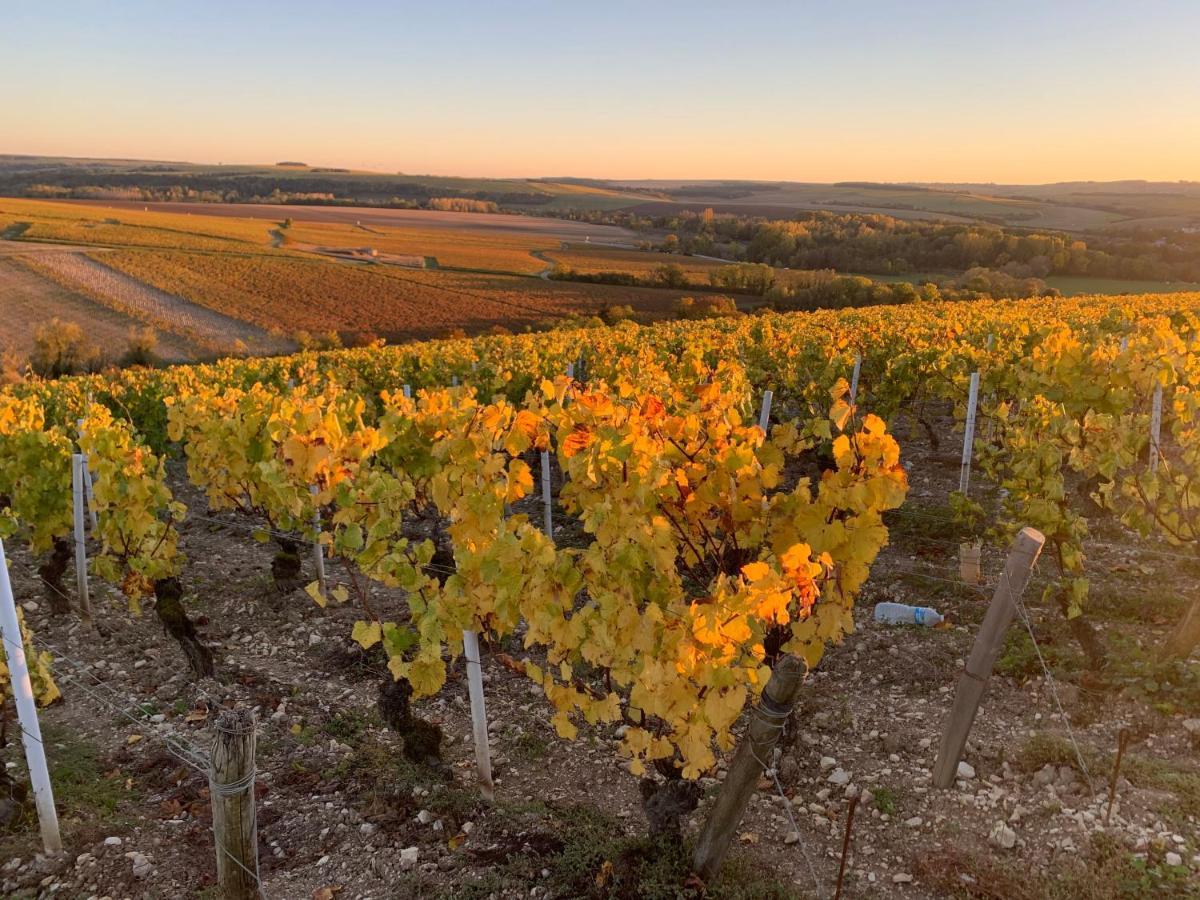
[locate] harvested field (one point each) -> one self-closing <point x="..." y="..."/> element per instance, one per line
<point x="493" y="251"/>
<point x="320" y="295"/>
<point x="95" y="225"/>
<point x="560" y="229"/>
<point x="29" y="299"/>
<point x="166" y="312"/>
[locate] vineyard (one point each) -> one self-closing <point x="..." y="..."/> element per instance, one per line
<point x="503" y="610"/>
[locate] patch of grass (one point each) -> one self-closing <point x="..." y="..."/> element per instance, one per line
<point x="530" y="746"/>
<point x="1019" y="658"/>
<point x="348" y="726"/>
<point x="389" y="770"/>
<point x="936" y="524"/>
<point x="885" y="799"/>
<point x="1167" y="685"/>
<point x="1182" y="782"/>
<point x="598" y="860"/>
<point x="81" y="786"/>
<point x="1106" y="871"/>
<point x="83" y="791"/>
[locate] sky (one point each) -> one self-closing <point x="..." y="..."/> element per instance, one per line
<point x="919" y="90"/>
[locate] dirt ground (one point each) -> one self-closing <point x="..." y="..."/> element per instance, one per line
<point x="343" y="814"/>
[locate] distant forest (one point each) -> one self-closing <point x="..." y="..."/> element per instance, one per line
<point x="311" y="187"/>
<point x="877" y="244"/>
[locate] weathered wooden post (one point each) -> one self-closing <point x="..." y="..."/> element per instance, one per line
<point x="973" y="681"/>
<point x="231" y="785"/>
<point x="757" y="746"/>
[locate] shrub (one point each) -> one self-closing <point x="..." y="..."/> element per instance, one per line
<point x="12" y="366"/>
<point x="142" y="347"/>
<point x="60" y="348"/>
<point x="613" y="314"/>
<point x="671" y="275"/>
<point x="714" y="306"/>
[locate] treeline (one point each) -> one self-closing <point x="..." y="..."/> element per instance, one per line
<point x="288" y="186"/>
<point x="463" y="204"/>
<point x="822" y="288"/>
<point x="883" y="245"/>
<point x="879" y="244"/>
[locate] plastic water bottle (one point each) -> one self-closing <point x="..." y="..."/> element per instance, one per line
<point x="901" y="614"/>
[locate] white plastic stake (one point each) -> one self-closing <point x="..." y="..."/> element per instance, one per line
<point x="1124" y="343"/>
<point x="318" y="550"/>
<point x="81" y="567"/>
<point x="31" y="732"/>
<point x="1155" y="427"/>
<point x="991" y="342"/>
<point x="408" y="391"/>
<point x="854" y="378"/>
<point x="483" y="756"/>
<point x="764" y="416"/>
<point x="547" y="501"/>
<point x="87" y="485"/>
<point x="964" y="477"/>
<point x="453" y="381"/>
<point x="571" y="371"/>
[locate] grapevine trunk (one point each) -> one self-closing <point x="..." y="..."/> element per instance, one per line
<point x="168" y="605"/>
<point x="51" y="572"/>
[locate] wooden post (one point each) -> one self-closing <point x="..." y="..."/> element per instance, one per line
<point x="231" y="785"/>
<point x="757" y="745"/>
<point x="31" y="731"/>
<point x="964" y="475"/>
<point x="854" y="376"/>
<point x="547" y="500"/>
<point x="973" y="681"/>
<point x="764" y="415"/>
<point x="1155" y="427"/>
<point x="81" y="566"/>
<point x="483" y="755"/>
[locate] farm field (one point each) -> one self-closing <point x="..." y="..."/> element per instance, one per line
<point x="900" y="201"/>
<point x="558" y="229"/>
<point x="656" y="420"/>
<point x="29" y="299"/>
<point x="220" y="279"/>
<point x="463" y="247"/>
<point x="390" y="301"/>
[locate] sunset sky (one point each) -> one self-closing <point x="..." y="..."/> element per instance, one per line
<point x="884" y="91"/>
